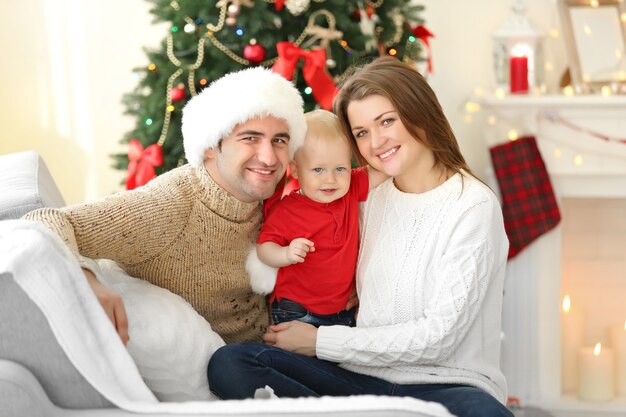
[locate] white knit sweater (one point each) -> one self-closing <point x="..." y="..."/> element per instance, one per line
<point x="429" y="277"/>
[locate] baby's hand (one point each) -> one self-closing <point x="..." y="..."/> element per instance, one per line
<point x="298" y="249"/>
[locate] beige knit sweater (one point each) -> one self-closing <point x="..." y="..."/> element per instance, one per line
<point x="181" y="232"/>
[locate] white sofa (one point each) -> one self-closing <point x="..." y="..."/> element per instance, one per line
<point x="46" y="370"/>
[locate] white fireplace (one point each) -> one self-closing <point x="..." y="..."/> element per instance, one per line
<point x="585" y="255"/>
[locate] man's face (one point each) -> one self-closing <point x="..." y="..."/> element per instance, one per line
<point x="252" y="159"/>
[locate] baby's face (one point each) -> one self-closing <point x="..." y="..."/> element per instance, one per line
<point x="323" y="170"/>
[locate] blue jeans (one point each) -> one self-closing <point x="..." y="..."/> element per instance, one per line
<point x="236" y="371"/>
<point x="287" y="310"/>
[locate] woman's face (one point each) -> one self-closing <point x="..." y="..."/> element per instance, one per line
<point x="383" y="140"/>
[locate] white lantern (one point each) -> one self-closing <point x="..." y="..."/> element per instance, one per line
<point x="517" y="38"/>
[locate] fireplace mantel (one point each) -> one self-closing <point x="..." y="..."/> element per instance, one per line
<point x="577" y="137"/>
<point x="581" y="119"/>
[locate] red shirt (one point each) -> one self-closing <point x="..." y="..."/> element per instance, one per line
<point x="324" y="281"/>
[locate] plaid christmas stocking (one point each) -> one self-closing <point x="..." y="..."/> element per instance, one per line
<point x="528" y="203"/>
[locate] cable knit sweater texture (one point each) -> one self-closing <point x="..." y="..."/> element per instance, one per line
<point x="430" y="278"/>
<point x="181" y="232"/>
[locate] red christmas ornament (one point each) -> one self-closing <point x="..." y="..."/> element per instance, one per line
<point x="255" y="53"/>
<point x="178" y="93"/>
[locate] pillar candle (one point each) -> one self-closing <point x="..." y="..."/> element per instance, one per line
<point x="571" y="341"/>
<point x="596" y="381"/>
<point x="618" y="343"/>
<point x="518" y="80"/>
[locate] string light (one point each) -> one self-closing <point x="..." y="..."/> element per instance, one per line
<point x="393" y="51"/>
<point x="558" y="153"/>
<point x="568" y="91"/>
<point x="578" y="160"/>
<point x="148" y="121"/>
<point x="170" y="108"/>
<point x="467" y="119"/>
<point x="472" y="107"/>
<point x="152" y="67"/>
<point x="174" y="29"/>
<point x="203" y="82"/>
<point x="492" y="120"/>
<point x="308" y="90"/>
<point x="239" y="31"/>
<point x="512" y="135"/>
<point x="500" y="93"/>
<point x="606" y="90"/>
<point x="411" y="38"/>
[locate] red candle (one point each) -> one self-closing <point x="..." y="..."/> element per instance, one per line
<point x="518" y="80"/>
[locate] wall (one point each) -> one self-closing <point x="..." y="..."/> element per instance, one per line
<point x="462" y="51"/>
<point x="66" y="64"/>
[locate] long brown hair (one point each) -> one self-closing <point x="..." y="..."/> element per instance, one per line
<point x="414" y="101"/>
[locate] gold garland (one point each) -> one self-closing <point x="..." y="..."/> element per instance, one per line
<point x="311" y="29"/>
<point x="223" y="5"/>
<point x="170" y="81"/>
<point x="375" y="4"/>
<point x="220" y="21"/>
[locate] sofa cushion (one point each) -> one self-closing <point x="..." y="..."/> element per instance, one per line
<point x="25" y="185"/>
<point x="26" y="338"/>
<point x="170" y="342"/>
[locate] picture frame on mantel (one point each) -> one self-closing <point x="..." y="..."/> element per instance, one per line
<point x="595" y="36"/>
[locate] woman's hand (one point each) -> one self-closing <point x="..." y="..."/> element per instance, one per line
<point x="293" y="336"/>
<point x="353" y="299"/>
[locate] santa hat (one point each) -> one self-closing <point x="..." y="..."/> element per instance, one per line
<point x="236" y="98"/>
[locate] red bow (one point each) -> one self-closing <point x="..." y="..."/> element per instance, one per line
<point x="278" y="5"/>
<point x="314" y="70"/>
<point x="421" y="33"/>
<point x="142" y="163"/>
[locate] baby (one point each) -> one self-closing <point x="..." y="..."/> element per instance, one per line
<point x="312" y="234"/>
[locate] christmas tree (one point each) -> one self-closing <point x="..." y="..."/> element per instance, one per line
<point x="312" y="42"/>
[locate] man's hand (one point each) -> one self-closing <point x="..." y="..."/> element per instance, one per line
<point x="298" y="249"/>
<point x="112" y="304"/>
<point x="293" y="336"/>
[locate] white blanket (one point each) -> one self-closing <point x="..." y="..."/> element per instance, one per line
<point x="48" y="273"/>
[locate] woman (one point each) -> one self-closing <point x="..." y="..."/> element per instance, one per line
<point x="429" y="274"/>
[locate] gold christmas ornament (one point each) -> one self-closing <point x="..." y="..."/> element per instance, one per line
<point x="319" y="34"/>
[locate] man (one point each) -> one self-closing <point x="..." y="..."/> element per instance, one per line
<point x="189" y="230"/>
